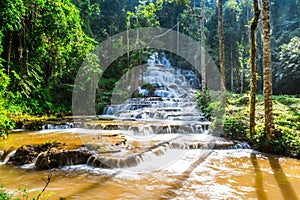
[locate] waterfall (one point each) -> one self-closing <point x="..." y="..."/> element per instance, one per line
<point x="167" y="93"/>
<point x="66" y="125"/>
<point x="165" y="107"/>
<point x="7" y="157"/>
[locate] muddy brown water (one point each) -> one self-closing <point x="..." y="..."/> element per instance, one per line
<point x="216" y="174"/>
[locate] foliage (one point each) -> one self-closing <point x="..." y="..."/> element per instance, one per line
<point x="87" y="80"/>
<point x="45" y="45"/>
<point x="286" y="118"/>
<point x="4" y="195"/>
<point x="233" y="127"/>
<point x="207" y="108"/>
<point x="6" y="123"/>
<point x="288" y="68"/>
<point x="46" y="41"/>
<point x="145" y="14"/>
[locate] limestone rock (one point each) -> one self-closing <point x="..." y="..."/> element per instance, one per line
<point x="55" y="158"/>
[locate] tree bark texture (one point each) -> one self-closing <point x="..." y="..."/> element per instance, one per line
<point x="221" y="51"/>
<point x="269" y="124"/>
<point x="253" y="84"/>
<point x="231" y="70"/>
<point x="203" y="67"/>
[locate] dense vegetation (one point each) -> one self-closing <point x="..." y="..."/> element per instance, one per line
<point x="236" y="122"/>
<point x="43" y="44"/>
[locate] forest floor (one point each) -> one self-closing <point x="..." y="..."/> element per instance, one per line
<point x="286" y="110"/>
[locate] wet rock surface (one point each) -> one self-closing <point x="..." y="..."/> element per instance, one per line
<point x="55" y="155"/>
<point x="27" y="154"/>
<point x="1" y="155"/>
<point x="55" y="158"/>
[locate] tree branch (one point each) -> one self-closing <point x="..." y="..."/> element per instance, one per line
<point x="47" y="181"/>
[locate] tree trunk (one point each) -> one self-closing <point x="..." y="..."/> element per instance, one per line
<point x="203" y="67"/>
<point x="253" y="84"/>
<point x="178" y="39"/>
<point x="231" y="69"/>
<point x="221" y="52"/>
<point x="242" y="79"/>
<point x="269" y="124"/>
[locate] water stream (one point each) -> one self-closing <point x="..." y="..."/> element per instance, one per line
<point x="157" y="146"/>
<point x="221" y="174"/>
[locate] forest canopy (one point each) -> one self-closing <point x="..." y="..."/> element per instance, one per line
<point x="43" y="43"/>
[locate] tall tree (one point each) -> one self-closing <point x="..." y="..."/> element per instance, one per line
<point x="221" y="51"/>
<point x="253" y="85"/>
<point x="203" y="67"/>
<point x="269" y="124"/>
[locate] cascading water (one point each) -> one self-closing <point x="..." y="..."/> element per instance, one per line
<point x="162" y="133"/>
<point x="166" y="107"/>
<point x="7" y="157"/>
<point x="167" y="94"/>
<point x="164" y="121"/>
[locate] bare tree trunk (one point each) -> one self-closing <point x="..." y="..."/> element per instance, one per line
<point x="269" y="124"/>
<point x="128" y="56"/>
<point x="136" y="69"/>
<point x="221" y="52"/>
<point x="231" y="69"/>
<point x="242" y="79"/>
<point x="203" y="67"/>
<point x="177" y="50"/>
<point x="253" y="84"/>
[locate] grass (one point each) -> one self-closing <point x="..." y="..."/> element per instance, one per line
<point x="286" y="112"/>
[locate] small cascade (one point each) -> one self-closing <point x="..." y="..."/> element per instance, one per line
<point x="109" y="161"/>
<point x="7" y="157"/>
<point x="50" y="126"/>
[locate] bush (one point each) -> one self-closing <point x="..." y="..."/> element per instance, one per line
<point x="286" y="142"/>
<point x="233" y="127"/>
<point x="286" y="139"/>
<point x="6" y="124"/>
<point x="4" y="195"/>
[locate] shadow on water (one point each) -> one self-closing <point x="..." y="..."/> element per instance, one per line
<point x="259" y="187"/>
<point x="171" y="193"/>
<point x="92" y="186"/>
<point x="285" y="186"/>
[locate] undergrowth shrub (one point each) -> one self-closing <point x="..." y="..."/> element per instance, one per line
<point x="233" y="127"/>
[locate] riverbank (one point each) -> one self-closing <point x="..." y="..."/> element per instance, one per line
<point x="286" y="118"/>
<point x="235" y="125"/>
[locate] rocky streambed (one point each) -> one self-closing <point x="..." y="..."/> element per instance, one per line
<point x="105" y="150"/>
